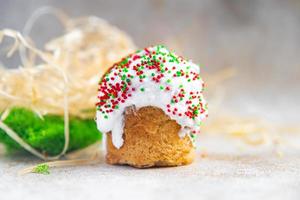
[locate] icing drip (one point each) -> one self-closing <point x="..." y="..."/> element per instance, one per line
<point x="151" y="77"/>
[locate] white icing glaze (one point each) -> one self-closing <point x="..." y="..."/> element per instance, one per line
<point x="150" y="93"/>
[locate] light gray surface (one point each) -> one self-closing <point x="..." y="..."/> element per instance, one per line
<point x="226" y="173"/>
<point x="258" y="38"/>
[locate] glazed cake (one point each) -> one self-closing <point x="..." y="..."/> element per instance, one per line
<point x="150" y="107"/>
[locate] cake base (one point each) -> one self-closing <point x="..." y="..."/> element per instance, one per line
<point x="150" y="140"/>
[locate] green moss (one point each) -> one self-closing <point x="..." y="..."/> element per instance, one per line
<point x="42" y="169"/>
<point x="47" y="135"/>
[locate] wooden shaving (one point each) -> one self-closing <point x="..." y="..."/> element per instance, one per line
<point x="252" y="131"/>
<point x="66" y="81"/>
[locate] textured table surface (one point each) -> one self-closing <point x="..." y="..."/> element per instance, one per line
<point x="260" y="39"/>
<point x="227" y="172"/>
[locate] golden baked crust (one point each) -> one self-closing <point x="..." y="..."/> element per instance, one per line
<point x="150" y="139"/>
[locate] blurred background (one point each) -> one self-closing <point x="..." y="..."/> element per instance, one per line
<point x="259" y="39"/>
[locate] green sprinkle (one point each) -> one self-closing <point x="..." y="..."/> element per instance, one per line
<point x="168" y="81"/>
<point x="124" y="62"/>
<point x="193" y="136"/>
<point x="162" y="68"/>
<point x="152" y="74"/>
<point x="174" y="58"/>
<point x="41" y="169"/>
<point x="123" y="77"/>
<point x="105" y="117"/>
<point x="180" y="86"/>
<point x="161" y="87"/>
<point x="158" y="48"/>
<point x="142" y="89"/>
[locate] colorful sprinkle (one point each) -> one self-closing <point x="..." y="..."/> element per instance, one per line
<point x="159" y="66"/>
